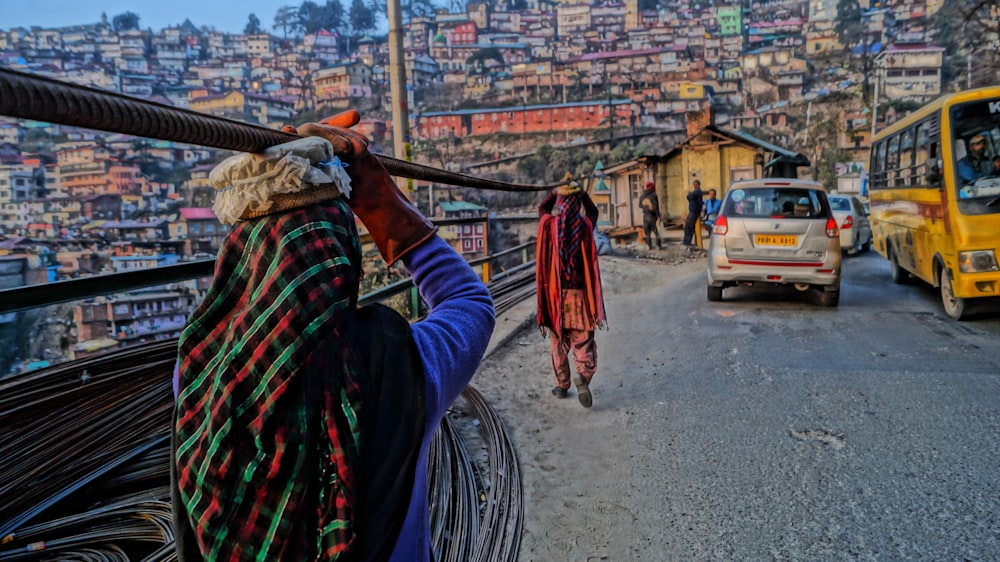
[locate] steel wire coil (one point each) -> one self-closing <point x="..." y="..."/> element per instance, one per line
<point x="84" y="463"/>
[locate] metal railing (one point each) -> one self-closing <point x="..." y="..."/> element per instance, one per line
<point x="59" y="292"/>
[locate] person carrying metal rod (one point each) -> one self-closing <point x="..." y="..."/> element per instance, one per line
<point x="570" y="302"/>
<point x="302" y="422"/>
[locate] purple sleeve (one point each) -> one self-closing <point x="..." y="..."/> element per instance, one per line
<point x="454" y="336"/>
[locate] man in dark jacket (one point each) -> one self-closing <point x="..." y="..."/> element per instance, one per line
<point x="695" y="202"/>
<point x="650" y="205"/>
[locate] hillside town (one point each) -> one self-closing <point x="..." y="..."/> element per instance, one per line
<point x="76" y="203"/>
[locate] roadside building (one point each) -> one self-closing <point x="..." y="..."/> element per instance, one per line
<point x="715" y="156"/>
<point x="467" y="239"/>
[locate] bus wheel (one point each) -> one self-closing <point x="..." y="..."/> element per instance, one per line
<point x="956" y="308"/>
<point x="899" y="275"/>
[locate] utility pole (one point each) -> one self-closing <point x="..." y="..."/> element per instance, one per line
<point x="875" y="109"/>
<point x="397" y="87"/>
<point x="611" y="113"/>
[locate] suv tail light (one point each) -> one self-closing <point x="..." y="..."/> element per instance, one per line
<point x="848" y="223"/>
<point x="831" y="228"/>
<point x="721" y="226"/>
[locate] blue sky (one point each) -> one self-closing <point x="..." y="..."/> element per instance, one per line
<point x="224" y="15"/>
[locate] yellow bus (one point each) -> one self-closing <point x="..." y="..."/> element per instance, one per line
<point x="934" y="191"/>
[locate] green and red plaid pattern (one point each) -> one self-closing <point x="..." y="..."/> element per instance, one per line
<point x="268" y="406"/>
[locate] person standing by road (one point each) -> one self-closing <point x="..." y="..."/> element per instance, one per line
<point x="570" y="301"/>
<point x="650" y="205"/>
<point x="695" y="203"/>
<point x="303" y="422"/>
<point x="712" y="206"/>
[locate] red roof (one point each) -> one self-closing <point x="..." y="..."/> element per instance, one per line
<point x="197" y="213"/>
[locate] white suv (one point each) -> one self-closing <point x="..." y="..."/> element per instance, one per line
<point x="776" y="232"/>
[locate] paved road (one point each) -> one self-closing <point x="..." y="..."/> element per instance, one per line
<point x="763" y="427"/>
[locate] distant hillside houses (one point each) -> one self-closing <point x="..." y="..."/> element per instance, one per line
<point x="572" y="66"/>
<point x="584" y="50"/>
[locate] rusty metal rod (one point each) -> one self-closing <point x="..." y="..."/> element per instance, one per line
<point x="52" y="101"/>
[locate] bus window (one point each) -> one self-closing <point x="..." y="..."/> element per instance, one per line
<point x="922" y="152"/>
<point x="976" y="141"/>
<point x="892" y="161"/>
<point x="928" y="154"/>
<point x="906" y="163"/>
<point x="878" y="167"/>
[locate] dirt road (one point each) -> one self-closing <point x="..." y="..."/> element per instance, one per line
<point x="582" y="499"/>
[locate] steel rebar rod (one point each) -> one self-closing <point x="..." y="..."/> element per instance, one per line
<point x="48" y="100"/>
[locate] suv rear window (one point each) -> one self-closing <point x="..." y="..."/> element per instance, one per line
<point x="765" y="202"/>
<point x="840" y="204"/>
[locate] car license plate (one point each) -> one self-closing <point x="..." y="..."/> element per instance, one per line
<point x="775" y="240"/>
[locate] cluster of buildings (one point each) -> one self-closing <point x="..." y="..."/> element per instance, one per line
<point x="520" y="68"/>
<point x="76" y="203"/>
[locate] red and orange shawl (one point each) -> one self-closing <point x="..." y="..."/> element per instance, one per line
<point x="566" y="258"/>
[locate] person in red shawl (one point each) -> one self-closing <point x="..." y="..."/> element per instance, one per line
<point x="570" y="302"/>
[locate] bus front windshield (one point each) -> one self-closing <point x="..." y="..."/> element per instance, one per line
<point x="976" y="140"/>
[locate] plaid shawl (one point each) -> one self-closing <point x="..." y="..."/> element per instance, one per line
<point x="566" y="258"/>
<point x="267" y="428"/>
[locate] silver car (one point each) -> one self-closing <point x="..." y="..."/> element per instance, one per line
<point x="852" y="219"/>
<point x="777" y="232"/>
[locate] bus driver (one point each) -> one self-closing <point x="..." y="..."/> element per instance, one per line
<point x="975" y="164"/>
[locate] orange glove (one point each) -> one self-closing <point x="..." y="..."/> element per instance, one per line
<point x="395" y="225"/>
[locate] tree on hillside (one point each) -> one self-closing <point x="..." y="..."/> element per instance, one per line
<point x="125" y="21"/>
<point x="253" y="25"/>
<point x="312" y="17"/>
<point x="968" y="31"/>
<point x="417" y="8"/>
<point x="362" y="17"/>
<point x="849" y="27"/>
<point x="284" y="19"/>
<point x="480" y="57"/>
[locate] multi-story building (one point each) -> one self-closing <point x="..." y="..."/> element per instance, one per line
<point x="909" y="72"/>
<point x="101" y="207"/>
<point x="572" y="19"/>
<point x="134" y="318"/>
<point x="202" y="230"/>
<point x="467" y="239"/>
<point x="18" y="183"/>
<point x="340" y="82"/>
<point x="524" y="119"/>
<point x="421" y="69"/>
<point x="855" y="130"/>
<point x="135" y="253"/>
<point x="150" y="315"/>
<point x="260" y="45"/>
